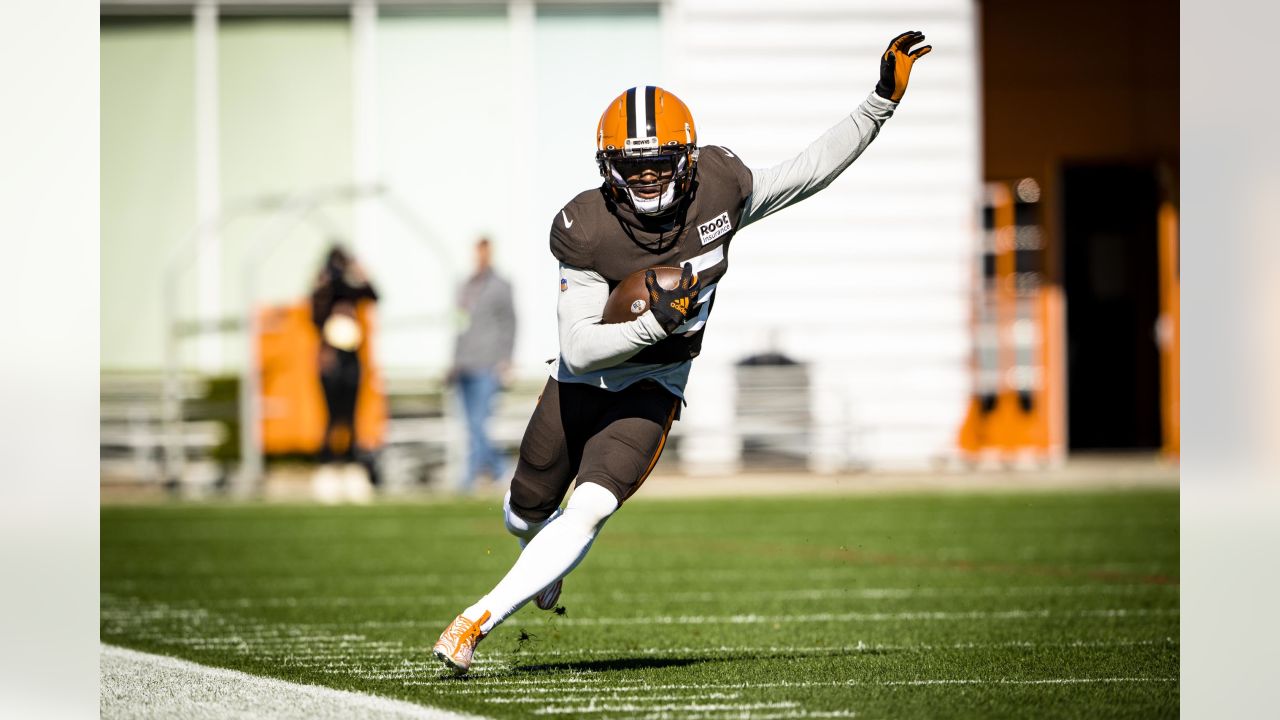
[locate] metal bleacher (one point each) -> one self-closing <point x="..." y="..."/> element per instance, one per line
<point x="424" y="445"/>
<point x="132" y="434"/>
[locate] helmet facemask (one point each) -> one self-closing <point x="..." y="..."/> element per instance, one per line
<point x="651" y="182"/>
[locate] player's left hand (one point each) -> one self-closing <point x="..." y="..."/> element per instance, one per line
<point x="895" y="64"/>
<point x="671" y="307"/>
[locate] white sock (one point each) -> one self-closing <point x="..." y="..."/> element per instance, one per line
<point x="556" y="549"/>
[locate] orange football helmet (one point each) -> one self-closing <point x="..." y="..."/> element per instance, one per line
<point x="647" y="149"/>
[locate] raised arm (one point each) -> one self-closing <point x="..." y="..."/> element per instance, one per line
<point x="585" y="344"/>
<point x="822" y="162"/>
<point x="793" y="180"/>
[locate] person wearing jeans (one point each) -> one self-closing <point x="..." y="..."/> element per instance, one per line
<point x="482" y="358"/>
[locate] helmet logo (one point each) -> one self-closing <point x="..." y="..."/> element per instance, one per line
<point x="640" y="144"/>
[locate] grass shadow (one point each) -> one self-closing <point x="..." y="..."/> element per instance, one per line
<point x="649" y="662"/>
<point x="616" y="664"/>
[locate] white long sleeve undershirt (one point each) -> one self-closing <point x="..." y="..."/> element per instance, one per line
<point x="791" y="181"/>
<point x="597" y="354"/>
<point x="585" y="344"/>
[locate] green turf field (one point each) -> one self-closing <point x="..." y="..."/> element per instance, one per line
<point x="906" y="606"/>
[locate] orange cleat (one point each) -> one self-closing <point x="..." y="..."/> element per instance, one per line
<point x="458" y="642"/>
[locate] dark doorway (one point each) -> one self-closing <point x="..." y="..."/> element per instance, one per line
<point x="1112" y="288"/>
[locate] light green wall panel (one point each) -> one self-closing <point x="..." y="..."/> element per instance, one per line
<point x="584" y="60"/>
<point x="449" y="117"/>
<point x="444" y="129"/>
<point x="147" y="180"/>
<point x="453" y="125"/>
<point x="285" y="126"/>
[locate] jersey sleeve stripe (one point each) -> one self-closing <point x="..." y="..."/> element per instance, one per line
<point x="706" y="260"/>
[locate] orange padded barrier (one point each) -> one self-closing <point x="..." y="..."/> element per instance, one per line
<point x="1170" y="324"/>
<point x="293" y="409"/>
<point x="1017" y="325"/>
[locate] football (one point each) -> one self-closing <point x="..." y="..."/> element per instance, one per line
<point x="630" y="299"/>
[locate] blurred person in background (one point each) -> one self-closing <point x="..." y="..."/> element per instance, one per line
<point x="482" y="359"/>
<point x="615" y="388"/>
<point x="339" y="287"/>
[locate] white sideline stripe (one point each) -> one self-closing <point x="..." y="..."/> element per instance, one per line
<point x="141" y="685"/>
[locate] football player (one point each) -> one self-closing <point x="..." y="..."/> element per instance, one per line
<point x="615" y="389"/>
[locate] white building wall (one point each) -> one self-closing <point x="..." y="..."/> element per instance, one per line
<point x="869" y="280"/>
<point x="484" y="123"/>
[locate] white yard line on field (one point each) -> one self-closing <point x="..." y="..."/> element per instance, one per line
<point x="627" y="696"/>
<point x="410" y="669"/>
<point x="730" y="715"/>
<point x="605" y="690"/>
<point x="139" y="685"/>
<point x="1041" y="681"/>
<point x="888" y="593"/>
<point x="794" y="715"/>
<point x="430" y="583"/>
<point x="874" y="593"/>
<point x="753" y="619"/>
<point x="593" y="708"/>
<point x="787" y="715"/>
<point x="535" y="653"/>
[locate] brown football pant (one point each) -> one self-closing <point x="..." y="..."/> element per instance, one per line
<point x="612" y="439"/>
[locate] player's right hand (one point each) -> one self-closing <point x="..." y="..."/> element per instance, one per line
<point x="672" y="307"/>
<point x="896" y="62"/>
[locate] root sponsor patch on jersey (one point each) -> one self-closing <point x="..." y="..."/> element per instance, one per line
<point x="712" y="229"/>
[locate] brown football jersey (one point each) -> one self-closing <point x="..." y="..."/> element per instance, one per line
<point x="595" y="233"/>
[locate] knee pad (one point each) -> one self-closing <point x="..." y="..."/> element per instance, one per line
<point x="526" y="504"/>
<point x="590" y="505"/>
<point x="518" y="523"/>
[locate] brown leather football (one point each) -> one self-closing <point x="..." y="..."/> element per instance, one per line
<point x="630" y="299"/>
